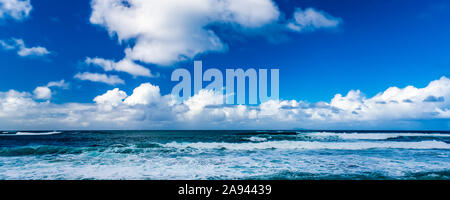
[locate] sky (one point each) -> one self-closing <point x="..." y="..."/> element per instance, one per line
<point x="106" y="64"/>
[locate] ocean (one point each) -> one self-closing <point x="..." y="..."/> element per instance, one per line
<point x="206" y="155"/>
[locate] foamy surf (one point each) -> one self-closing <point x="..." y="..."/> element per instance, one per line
<point x="374" y="136"/>
<point x="30" y="133"/>
<point x="256" y="139"/>
<point x="224" y="155"/>
<point x="292" y="145"/>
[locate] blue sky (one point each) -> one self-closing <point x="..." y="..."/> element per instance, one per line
<point x="374" y="45"/>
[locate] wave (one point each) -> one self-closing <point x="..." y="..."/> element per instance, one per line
<point x="256" y="139"/>
<point x="269" y="133"/>
<point x="179" y="146"/>
<point x="292" y="145"/>
<point x="374" y="136"/>
<point x="47" y="150"/>
<point x="30" y="133"/>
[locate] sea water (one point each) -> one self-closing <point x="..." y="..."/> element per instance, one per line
<point x="224" y="155"/>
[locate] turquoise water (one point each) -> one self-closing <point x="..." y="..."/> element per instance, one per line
<point x="224" y="155"/>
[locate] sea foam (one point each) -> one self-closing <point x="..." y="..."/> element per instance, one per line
<point x="30" y="133"/>
<point x="373" y="136"/>
<point x="291" y="145"/>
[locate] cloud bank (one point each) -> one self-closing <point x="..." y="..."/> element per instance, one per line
<point x="147" y="108"/>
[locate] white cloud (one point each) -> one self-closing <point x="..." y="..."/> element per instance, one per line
<point x="15" y="103"/>
<point x="197" y="103"/>
<point x="311" y="19"/>
<point x="33" y="51"/>
<point x="42" y="93"/>
<point x="22" y="50"/>
<point x="16" y="9"/>
<point x="146" y="108"/>
<point x="169" y="31"/>
<point x="61" y="84"/>
<point x="396" y="103"/>
<point x="261" y="13"/>
<point x="6" y="46"/>
<point x="124" y="65"/>
<point x="111" y="99"/>
<point x="166" y="32"/>
<point x="96" y="77"/>
<point x="18" y="110"/>
<point x="144" y="94"/>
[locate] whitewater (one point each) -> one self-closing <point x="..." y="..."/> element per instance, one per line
<point x="75" y="155"/>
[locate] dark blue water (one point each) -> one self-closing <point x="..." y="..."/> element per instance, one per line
<point x="224" y="155"/>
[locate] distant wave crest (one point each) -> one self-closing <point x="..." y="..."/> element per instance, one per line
<point x="29" y="133"/>
<point x="290" y="145"/>
<point x="374" y="136"/>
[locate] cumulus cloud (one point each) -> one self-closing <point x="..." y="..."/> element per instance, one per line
<point x="396" y="103"/>
<point x="22" y="50"/>
<point x="13" y="101"/>
<point x="311" y="19"/>
<point x="197" y="103"/>
<point x="164" y="32"/>
<point x="111" y="99"/>
<point x="102" y="78"/>
<point x="147" y="108"/>
<point x="42" y="93"/>
<point x="124" y="65"/>
<point x="144" y="94"/>
<point x="45" y="93"/>
<point x="16" y="9"/>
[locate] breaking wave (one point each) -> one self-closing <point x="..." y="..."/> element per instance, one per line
<point x="374" y="136"/>
<point x="256" y="139"/>
<point x="224" y="155"/>
<point x="291" y="145"/>
<point x="29" y="133"/>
